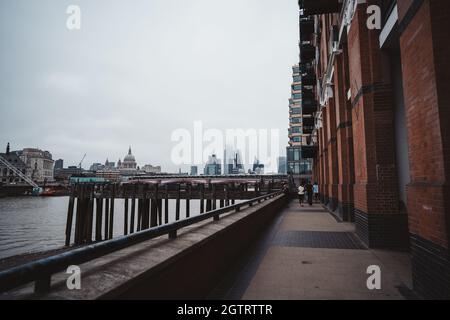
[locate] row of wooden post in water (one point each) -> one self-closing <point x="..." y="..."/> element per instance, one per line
<point x="92" y="206"/>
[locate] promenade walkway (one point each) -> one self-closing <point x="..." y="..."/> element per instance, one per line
<point x="308" y="254"/>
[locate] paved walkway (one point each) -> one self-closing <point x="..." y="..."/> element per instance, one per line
<point x="308" y="254"/>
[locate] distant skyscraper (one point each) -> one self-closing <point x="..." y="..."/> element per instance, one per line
<point x="301" y="125"/>
<point x="194" y="170"/>
<point x="282" y="165"/>
<point x="59" y="164"/>
<point x="258" y="168"/>
<point x="213" y="167"/>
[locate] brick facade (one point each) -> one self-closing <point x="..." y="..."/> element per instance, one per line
<point x="357" y="164"/>
<point x="426" y="70"/>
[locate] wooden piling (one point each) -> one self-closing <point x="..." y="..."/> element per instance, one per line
<point x="106" y="231"/>
<point x="233" y="190"/>
<point x="90" y="214"/>
<point x="166" y="206"/>
<point x="146" y="210"/>
<point x="139" y="214"/>
<point x="125" y="217"/>
<point x="132" y="214"/>
<point x="154" y="213"/>
<point x="177" y="208"/>
<point x="202" y="198"/>
<point x="70" y="216"/>
<point x="160" y="217"/>
<point x="111" y="213"/>
<point x="188" y="197"/>
<point x="98" y="220"/>
<point x="214" y="200"/>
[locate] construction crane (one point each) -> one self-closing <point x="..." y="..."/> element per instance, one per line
<point x="79" y="165"/>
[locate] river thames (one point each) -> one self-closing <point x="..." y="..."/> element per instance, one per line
<point x="34" y="224"/>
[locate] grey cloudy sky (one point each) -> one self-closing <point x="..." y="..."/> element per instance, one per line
<point x="138" y="70"/>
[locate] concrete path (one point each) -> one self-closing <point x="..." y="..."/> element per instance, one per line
<point x="308" y="254"/>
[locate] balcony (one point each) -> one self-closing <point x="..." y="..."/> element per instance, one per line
<point x="308" y="125"/>
<point x="306" y="29"/>
<point x="309" y="79"/>
<point x="309" y="152"/>
<point x="313" y="7"/>
<point x="309" y="107"/>
<point x="307" y="52"/>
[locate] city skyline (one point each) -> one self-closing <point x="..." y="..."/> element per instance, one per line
<point x="95" y="91"/>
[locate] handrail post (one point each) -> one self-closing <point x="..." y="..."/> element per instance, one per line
<point x="172" y="234"/>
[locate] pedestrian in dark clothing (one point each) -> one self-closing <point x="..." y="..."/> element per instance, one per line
<point x="309" y="190"/>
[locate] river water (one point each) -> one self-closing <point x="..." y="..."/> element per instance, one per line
<point x="33" y="224"/>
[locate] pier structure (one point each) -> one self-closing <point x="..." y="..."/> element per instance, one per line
<point x="91" y="208"/>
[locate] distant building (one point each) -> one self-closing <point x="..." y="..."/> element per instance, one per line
<point x="128" y="165"/>
<point x="59" y="164"/>
<point x="96" y="167"/>
<point x="64" y="175"/>
<point x="213" y="167"/>
<point x="282" y="165"/>
<point x="113" y="175"/>
<point x="40" y="164"/>
<point x="258" y="168"/>
<point x="7" y="176"/>
<point x="301" y="125"/>
<point x="110" y="165"/>
<point x="234" y="163"/>
<point x="148" y="168"/>
<point x="194" y="170"/>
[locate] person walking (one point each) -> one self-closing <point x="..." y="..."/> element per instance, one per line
<point x="309" y="192"/>
<point x="316" y="191"/>
<point x="301" y="193"/>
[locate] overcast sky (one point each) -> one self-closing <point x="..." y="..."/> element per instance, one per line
<point x="138" y="70"/>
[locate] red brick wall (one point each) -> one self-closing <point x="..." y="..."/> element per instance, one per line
<point x="326" y="168"/>
<point x="332" y="151"/>
<point x="344" y="131"/>
<point x="375" y="174"/>
<point x="425" y="56"/>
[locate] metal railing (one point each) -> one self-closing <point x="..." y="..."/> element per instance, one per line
<point x="41" y="271"/>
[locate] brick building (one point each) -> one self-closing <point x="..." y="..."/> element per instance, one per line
<point x="382" y="124"/>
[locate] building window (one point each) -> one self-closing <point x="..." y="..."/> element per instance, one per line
<point x="297" y="87"/>
<point x="296" y="110"/>
<point x="297" y="79"/>
<point x="297" y="96"/>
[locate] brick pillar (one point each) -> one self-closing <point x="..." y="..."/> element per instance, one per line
<point x="321" y="161"/>
<point x="344" y="139"/>
<point x="326" y="169"/>
<point x="332" y="164"/>
<point x="425" y="53"/>
<point x="377" y="218"/>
